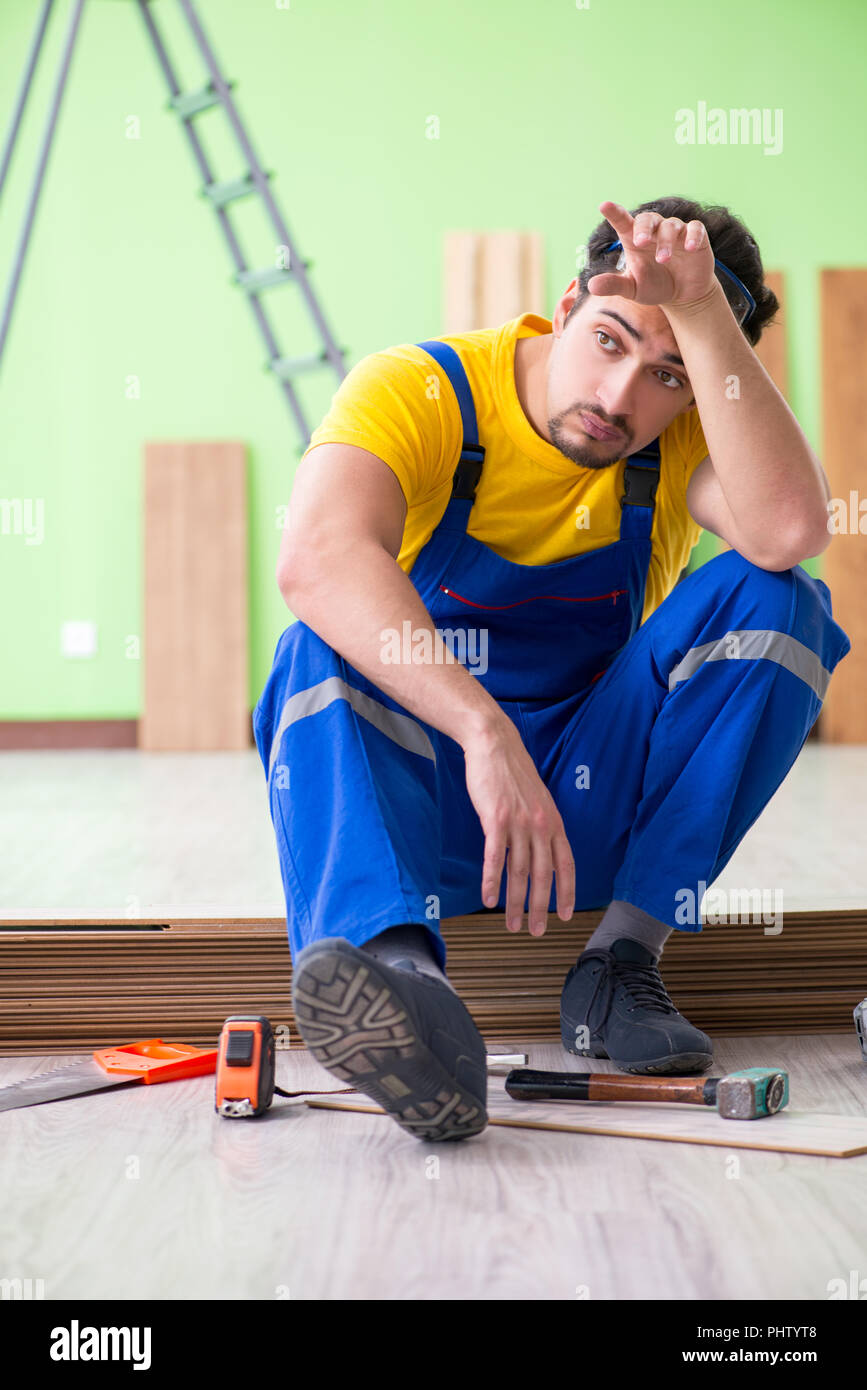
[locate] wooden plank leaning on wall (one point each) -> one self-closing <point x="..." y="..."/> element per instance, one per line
<point x="491" y="277"/>
<point x="843" y="295"/>
<point x="195" y="684"/>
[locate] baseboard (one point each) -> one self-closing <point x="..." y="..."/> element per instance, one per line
<point x="75" y="733"/>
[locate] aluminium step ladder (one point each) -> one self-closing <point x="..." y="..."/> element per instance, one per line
<point x="220" y="194"/>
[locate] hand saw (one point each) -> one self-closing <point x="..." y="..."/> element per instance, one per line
<point x="149" y="1061"/>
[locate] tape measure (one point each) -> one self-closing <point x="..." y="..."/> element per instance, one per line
<point x="245" y="1069"/>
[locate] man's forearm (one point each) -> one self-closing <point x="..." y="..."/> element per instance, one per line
<point x="353" y="598"/>
<point x="765" y="466"/>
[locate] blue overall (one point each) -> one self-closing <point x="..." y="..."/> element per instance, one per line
<point x="660" y="742"/>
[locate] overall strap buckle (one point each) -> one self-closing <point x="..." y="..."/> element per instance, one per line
<point x="639" y="486"/>
<point x="641" y="476"/>
<point x="466" y="476"/>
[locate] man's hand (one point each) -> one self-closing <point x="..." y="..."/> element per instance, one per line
<point x="668" y="261"/>
<point x="518" y="812"/>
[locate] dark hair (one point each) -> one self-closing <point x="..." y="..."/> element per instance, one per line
<point x="730" y="242"/>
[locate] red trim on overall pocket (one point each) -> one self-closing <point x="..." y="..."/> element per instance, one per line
<point x="591" y="598"/>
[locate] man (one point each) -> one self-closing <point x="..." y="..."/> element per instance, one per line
<point x="529" y="494"/>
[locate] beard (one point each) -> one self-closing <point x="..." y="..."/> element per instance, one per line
<point x="588" y="452"/>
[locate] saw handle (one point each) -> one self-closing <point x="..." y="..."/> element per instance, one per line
<point x="155" y="1060"/>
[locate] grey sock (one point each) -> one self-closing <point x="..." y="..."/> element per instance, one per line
<point x="624" y="919"/>
<point x="407" y="941"/>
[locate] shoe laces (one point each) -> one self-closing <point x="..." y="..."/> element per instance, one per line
<point x="643" y="982"/>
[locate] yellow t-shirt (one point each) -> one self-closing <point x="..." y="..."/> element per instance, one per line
<point x="533" y="505"/>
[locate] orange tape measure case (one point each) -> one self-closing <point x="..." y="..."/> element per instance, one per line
<point x="245" y="1066"/>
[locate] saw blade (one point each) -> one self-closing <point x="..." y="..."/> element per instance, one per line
<point x="77" y="1080"/>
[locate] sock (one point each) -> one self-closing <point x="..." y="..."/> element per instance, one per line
<point x="623" y="919"/>
<point x="407" y="941"/>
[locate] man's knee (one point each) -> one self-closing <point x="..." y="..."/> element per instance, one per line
<point x="764" y="610"/>
<point x="785" y="599"/>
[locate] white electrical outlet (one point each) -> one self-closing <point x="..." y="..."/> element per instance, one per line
<point x="78" y="639"/>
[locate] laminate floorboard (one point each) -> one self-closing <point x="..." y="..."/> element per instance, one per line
<point x="147" y="1193"/>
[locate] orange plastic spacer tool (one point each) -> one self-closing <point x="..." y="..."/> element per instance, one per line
<point x="155" y="1060"/>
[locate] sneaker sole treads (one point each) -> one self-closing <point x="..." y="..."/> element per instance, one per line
<point x="355" y="1024"/>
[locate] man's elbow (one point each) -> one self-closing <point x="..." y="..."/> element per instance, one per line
<point x="292" y="561"/>
<point x="793" y="550"/>
<point x="303" y="574"/>
<point x="812" y="540"/>
<point x="287" y="583"/>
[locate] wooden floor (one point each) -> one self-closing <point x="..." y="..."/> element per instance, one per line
<point x="147" y="1193"/>
<point x="122" y="832"/>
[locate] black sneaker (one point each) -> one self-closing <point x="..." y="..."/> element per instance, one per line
<point x="615" y="1005"/>
<point x="400" y="1035"/>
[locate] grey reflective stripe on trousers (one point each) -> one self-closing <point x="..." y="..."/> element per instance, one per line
<point x="754" y="642"/>
<point x="405" y="731"/>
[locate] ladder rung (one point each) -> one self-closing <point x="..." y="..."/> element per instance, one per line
<point x="254" y="280"/>
<point x="226" y="192"/>
<point x="188" y="104"/>
<point x="287" y="367"/>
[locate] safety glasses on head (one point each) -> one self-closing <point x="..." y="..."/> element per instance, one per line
<point x="743" y="306"/>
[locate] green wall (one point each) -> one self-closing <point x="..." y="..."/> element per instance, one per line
<point x="545" y="110"/>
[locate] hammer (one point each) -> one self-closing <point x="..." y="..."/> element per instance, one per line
<point x="742" y="1095"/>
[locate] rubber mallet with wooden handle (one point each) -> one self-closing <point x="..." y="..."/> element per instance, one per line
<point x="742" y="1095"/>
